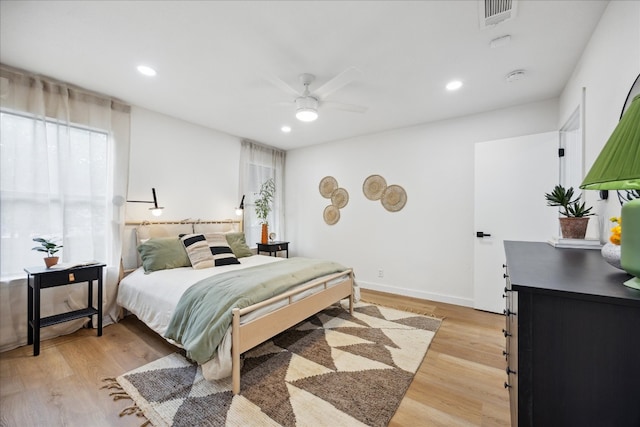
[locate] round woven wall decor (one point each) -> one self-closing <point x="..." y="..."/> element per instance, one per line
<point x="340" y="198"/>
<point x="328" y="185"/>
<point x="394" y="198"/>
<point x="331" y="214"/>
<point x="373" y="187"/>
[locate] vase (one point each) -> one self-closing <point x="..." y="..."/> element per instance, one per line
<point x="265" y="234"/>
<point x="611" y="254"/>
<point x="574" y="228"/>
<point x="51" y="261"/>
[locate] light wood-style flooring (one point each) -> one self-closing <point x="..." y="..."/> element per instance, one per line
<point x="460" y="382"/>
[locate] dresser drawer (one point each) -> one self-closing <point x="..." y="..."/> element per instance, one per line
<point x="69" y="276"/>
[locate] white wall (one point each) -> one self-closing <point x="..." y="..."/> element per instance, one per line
<point x="607" y="69"/>
<point x="426" y="249"/>
<point x="194" y="169"/>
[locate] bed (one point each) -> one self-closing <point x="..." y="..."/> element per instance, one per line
<point x="155" y="294"/>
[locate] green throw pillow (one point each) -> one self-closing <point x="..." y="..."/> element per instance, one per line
<point x="162" y="253"/>
<point x="238" y="244"/>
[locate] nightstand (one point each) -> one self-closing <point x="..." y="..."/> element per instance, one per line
<point x="273" y="247"/>
<point x="39" y="278"/>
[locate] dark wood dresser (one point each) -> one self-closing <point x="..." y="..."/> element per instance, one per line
<point x="573" y="339"/>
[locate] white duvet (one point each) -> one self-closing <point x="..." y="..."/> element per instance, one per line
<point x="153" y="297"/>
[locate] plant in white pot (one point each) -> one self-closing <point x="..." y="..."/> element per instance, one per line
<point x="263" y="206"/>
<point x="50" y="247"/>
<point x="574" y="224"/>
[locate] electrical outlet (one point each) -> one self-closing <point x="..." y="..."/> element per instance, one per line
<point x="381" y="273"/>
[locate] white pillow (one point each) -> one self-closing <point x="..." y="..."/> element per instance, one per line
<point x="198" y="251"/>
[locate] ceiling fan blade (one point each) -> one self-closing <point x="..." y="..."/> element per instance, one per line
<point x="345" y="107"/>
<point x="342" y="79"/>
<point x="279" y="83"/>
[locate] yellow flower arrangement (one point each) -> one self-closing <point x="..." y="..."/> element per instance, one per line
<point x="616" y="231"/>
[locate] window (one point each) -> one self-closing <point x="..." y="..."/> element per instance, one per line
<point x="53" y="183"/>
<point x="258" y="163"/>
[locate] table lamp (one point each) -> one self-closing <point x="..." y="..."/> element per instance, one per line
<point x="618" y="168"/>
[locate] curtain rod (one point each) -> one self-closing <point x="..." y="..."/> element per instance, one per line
<point x="186" y="221"/>
<point x="117" y="103"/>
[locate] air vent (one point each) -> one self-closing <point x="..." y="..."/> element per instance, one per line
<point x="493" y="12"/>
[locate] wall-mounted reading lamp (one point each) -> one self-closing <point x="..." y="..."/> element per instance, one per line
<point x="240" y="209"/>
<point x="240" y="213"/>
<point x="155" y="210"/>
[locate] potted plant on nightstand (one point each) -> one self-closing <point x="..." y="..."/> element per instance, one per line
<point x="574" y="225"/>
<point x="50" y="247"/>
<point x="263" y="206"/>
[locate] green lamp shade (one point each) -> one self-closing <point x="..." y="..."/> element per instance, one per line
<point x="618" y="165"/>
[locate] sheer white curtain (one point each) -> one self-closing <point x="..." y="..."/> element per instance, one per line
<point x="64" y="171"/>
<point x="258" y="163"/>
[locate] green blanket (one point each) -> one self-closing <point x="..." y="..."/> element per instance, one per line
<point x="204" y="314"/>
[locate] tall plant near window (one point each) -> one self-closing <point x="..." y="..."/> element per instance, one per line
<point x="263" y="206"/>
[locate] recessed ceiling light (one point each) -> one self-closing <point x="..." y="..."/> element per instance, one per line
<point x="147" y="71"/>
<point x="454" y="85"/>
<point x="285" y="129"/>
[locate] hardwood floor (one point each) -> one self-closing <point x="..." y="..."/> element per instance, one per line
<point x="460" y="382"/>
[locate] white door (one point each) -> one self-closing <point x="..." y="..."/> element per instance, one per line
<point x="511" y="177"/>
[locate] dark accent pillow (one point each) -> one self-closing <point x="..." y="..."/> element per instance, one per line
<point x="238" y="244"/>
<point x="162" y="253"/>
<point x="198" y="251"/>
<point x="221" y="251"/>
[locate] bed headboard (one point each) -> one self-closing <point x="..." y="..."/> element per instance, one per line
<point x="134" y="232"/>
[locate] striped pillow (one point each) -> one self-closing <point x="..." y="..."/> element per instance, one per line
<point x="220" y="249"/>
<point x="198" y="251"/>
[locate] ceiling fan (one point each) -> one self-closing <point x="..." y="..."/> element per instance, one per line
<point x="307" y="102"/>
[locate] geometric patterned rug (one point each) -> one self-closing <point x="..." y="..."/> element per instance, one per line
<point x="332" y="369"/>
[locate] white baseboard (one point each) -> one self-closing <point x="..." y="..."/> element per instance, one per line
<point x="448" y="299"/>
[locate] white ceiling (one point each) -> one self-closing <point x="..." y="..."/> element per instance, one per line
<point x="212" y="58"/>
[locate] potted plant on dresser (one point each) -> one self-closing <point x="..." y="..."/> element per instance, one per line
<point x="50" y="247"/>
<point x="263" y="206"/>
<point x="576" y="215"/>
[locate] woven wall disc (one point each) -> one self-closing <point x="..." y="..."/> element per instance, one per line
<point x="394" y="198"/>
<point x="331" y="214"/>
<point x="373" y="187"/>
<point x="328" y="185"/>
<point x="340" y="198"/>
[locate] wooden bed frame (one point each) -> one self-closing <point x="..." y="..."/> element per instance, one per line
<point x="246" y="336"/>
<point x="256" y="331"/>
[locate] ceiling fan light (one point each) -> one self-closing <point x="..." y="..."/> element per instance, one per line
<point x="306" y="114"/>
<point x="306" y="108"/>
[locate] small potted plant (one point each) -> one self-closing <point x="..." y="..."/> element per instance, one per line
<point x="50" y="247"/>
<point x="263" y="206"/>
<point x="574" y="225"/>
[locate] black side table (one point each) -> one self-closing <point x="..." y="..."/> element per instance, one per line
<point x="273" y="248"/>
<point x="40" y="278"/>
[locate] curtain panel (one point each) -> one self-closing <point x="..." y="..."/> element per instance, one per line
<point x="65" y="173"/>
<point x="258" y="163"/>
